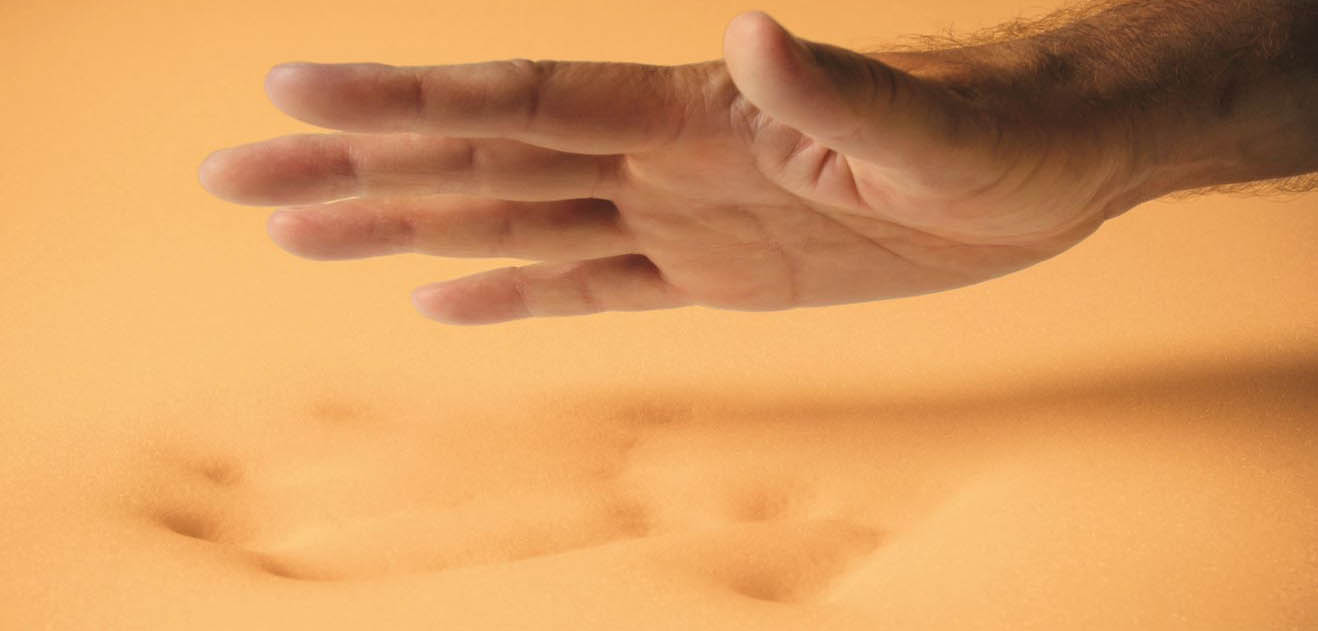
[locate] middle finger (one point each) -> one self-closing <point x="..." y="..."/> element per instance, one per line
<point x="315" y="168"/>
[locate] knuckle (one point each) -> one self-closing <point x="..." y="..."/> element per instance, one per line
<point x="519" y="284"/>
<point x="719" y="94"/>
<point x="419" y="97"/>
<point x="353" y="167"/>
<point x="470" y="157"/>
<point x="678" y="107"/>
<point x="531" y="76"/>
<point x="696" y="95"/>
<point x="394" y="225"/>
<point x="587" y="299"/>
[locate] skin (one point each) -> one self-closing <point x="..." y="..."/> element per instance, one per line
<point x="788" y="174"/>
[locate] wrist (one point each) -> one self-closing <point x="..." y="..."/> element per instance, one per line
<point x="1245" y="131"/>
<point x="1014" y="83"/>
<point x="1248" y="120"/>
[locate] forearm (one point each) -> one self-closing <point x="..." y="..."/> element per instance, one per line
<point x="1204" y="92"/>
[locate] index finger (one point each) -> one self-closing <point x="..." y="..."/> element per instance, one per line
<point x="583" y="107"/>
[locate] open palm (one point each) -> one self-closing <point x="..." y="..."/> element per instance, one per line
<point x="790" y="174"/>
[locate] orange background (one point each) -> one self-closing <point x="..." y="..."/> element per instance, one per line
<point x="123" y="280"/>
<point x="126" y="290"/>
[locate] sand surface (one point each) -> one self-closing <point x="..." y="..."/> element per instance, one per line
<point x="199" y="431"/>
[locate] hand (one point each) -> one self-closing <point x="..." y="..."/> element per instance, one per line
<point x="790" y="174"/>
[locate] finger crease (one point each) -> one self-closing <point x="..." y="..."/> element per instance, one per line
<point x="404" y="234"/>
<point x="586" y="294"/>
<point x="352" y="164"/>
<point x="417" y="84"/>
<point x="518" y="282"/>
<point x="470" y="162"/>
<point x="538" y="74"/>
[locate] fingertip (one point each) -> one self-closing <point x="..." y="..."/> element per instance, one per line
<point x="355" y="96"/>
<point x="441" y="303"/>
<point x="483" y="298"/>
<point x="282" y="81"/>
<point x="739" y="31"/>
<point x="211" y="173"/>
<point x="435" y="303"/>
<point x="228" y="175"/>
<point x="292" y="230"/>
<point x="753" y="30"/>
<point x="423" y="299"/>
<point x="282" y="222"/>
<point x="760" y="52"/>
<point x="752" y="21"/>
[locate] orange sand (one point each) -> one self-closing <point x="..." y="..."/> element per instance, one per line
<point x="202" y="432"/>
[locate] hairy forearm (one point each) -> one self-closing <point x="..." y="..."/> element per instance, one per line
<point x="1204" y="92"/>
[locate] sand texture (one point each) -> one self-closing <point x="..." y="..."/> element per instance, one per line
<point x="200" y="431"/>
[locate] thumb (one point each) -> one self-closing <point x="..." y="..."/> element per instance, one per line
<point x="847" y="101"/>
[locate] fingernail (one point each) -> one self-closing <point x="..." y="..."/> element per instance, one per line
<point x="294" y="65"/>
<point x="284" y="72"/>
<point x="423" y="296"/>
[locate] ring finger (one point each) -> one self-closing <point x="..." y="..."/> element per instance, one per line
<point x="453" y="226"/>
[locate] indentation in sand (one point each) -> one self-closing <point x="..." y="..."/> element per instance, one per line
<point x="220" y="473"/>
<point x="336" y="490"/>
<point x="784" y="562"/>
<point x="188" y="524"/>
